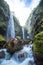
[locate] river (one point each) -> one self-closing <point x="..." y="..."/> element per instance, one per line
<point x="22" y="57"/>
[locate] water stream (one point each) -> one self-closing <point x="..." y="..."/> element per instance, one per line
<point x="26" y="58"/>
<point x="23" y="35"/>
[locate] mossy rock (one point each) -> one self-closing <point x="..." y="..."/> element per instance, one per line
<point x="12" y="46"/>
<point x="13" y="49"/>
<point x="38" y="44"/>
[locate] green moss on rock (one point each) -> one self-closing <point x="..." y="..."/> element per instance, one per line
<point x="14" y="45"/>
<point x="38" y="44"/>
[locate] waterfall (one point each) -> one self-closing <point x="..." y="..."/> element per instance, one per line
<point x="10" y="28"/>
<point x="23" y="33"/>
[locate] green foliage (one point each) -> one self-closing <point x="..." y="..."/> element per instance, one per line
<point x="38" y="14"/>
<point x="18" y="37"/>
<point x="4" y="10"/>
<point x="2" y="38"/>
<point x="38" y="44"/>
<point x="4" y="16"/>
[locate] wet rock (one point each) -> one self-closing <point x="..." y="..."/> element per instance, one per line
<point x="14" y="45"/>
<point x="31" y="62"/>
<point x="21" y="55"/>
<point x="2" y="54"/>
<point x="12" y="42"/>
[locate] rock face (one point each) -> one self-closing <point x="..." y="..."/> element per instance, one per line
<point x="38" y="34"/>
<point x="2" y="54"/>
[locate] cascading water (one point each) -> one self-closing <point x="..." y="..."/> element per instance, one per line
<point x="23" y="33"/>
<point x="10" y="28"/>
<point x="26" y="59"/>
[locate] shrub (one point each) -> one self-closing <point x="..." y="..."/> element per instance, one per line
<point x="38" y="44"/>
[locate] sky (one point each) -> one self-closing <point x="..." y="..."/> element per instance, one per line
<point x="22" y="8"/>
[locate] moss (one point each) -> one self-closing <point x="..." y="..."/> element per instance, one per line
<point x="38" y="44"/>
<point x="18" y="37"/>
<point x="2" y="38"/>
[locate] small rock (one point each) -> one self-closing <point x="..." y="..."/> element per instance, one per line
<point x="2" y="54"/>
<point x="21" y="55"/>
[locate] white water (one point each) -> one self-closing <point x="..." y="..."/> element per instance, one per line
<point x="10" y="28"/>
<point x="23" y="33"/>
<point x="28" y="58"/>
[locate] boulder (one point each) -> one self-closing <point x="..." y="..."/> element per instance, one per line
<point x="14" y="45"/>
<point x="2" y="54"/>
<point x="12" y="42"/>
